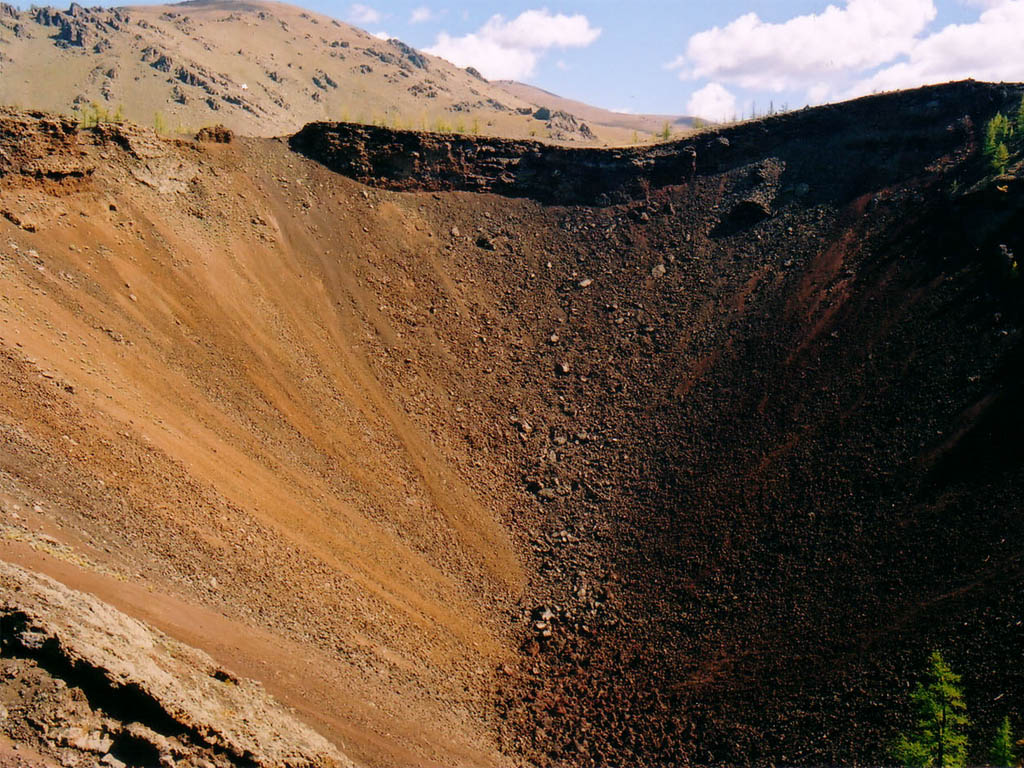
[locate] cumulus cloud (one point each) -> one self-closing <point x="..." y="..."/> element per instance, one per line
<point x="800" y="52"/>
<point x="988" y="49"/>
<point x="510" y="49"/>
<point x="421" y="15"/>
<point x="363" y="14"/>
<point x="712" y="102"/>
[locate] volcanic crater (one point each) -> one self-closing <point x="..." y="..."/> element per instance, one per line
<point x="477" y="452"/>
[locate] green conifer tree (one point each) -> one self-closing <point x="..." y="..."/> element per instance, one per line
<point x="1019" y="127"/>
<point x="997" y="131"/>
<point x="938" y="739"/>
<point x="1003" y="747"/>
<point x="1001" y="158"/>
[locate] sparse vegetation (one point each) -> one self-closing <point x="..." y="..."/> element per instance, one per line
<point x="160" y="123"/>
<point x="96" y="114"/>
<point x="938" y="738"/>
<point x="1004" y="137"/>
<point x="666" y="132"/>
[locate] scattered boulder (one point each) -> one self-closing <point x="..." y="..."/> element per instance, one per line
<point x="216" y="134"/>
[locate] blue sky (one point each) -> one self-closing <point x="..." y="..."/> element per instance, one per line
<point x="714" y="59"/>
<point x="719" y="58"/>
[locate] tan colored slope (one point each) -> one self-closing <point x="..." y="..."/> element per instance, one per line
<point x="198" y="397"/>
<point x="260" y="68"/>
<point x="645" y="125"/>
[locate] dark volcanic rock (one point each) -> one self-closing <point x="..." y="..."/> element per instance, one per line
<point x="411" y="160"/>
<point x="846" y="148"/>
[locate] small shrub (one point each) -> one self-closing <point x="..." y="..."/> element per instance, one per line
<point x="94" y="115"/>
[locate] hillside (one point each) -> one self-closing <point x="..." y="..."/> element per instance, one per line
<point x="644" y="125"/>
<point x="688" y="458"/>
<point x="260" y="68"/>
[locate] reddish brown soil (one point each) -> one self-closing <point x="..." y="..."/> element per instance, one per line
<point x="744" y="479"/>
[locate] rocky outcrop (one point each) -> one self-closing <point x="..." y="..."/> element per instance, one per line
<point x="565" y="127"/>
<point x="410" y="54"/>
<point x="40" y="145"/>
<point x="78" y="27"/>
<point x="148" y="699"/>
<point x="216" y="134"/>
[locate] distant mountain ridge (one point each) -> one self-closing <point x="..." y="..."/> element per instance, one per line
<point x="261" y="68"/>
<point x="642" y="123"/>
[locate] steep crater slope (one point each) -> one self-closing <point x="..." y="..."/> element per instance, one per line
<point x="768" y="413"/>
<point x="694" y="472"/>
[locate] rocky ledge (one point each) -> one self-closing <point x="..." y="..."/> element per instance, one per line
<point x="89" y="685"/>
<point x="839" y="146"/>
<point x="412" y="160"/>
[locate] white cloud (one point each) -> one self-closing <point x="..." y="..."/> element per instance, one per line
<point x="363" y="14"/>
<point x="382" y="35"/>
<point x="421" y="15"/>
<point x="800" y="52"/>
<point x="988" y="49"/>
<point x="712" y="102"/>
<point x="510" y="49"/>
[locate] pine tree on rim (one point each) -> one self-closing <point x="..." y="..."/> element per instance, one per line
<point x="938" y="737"/>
